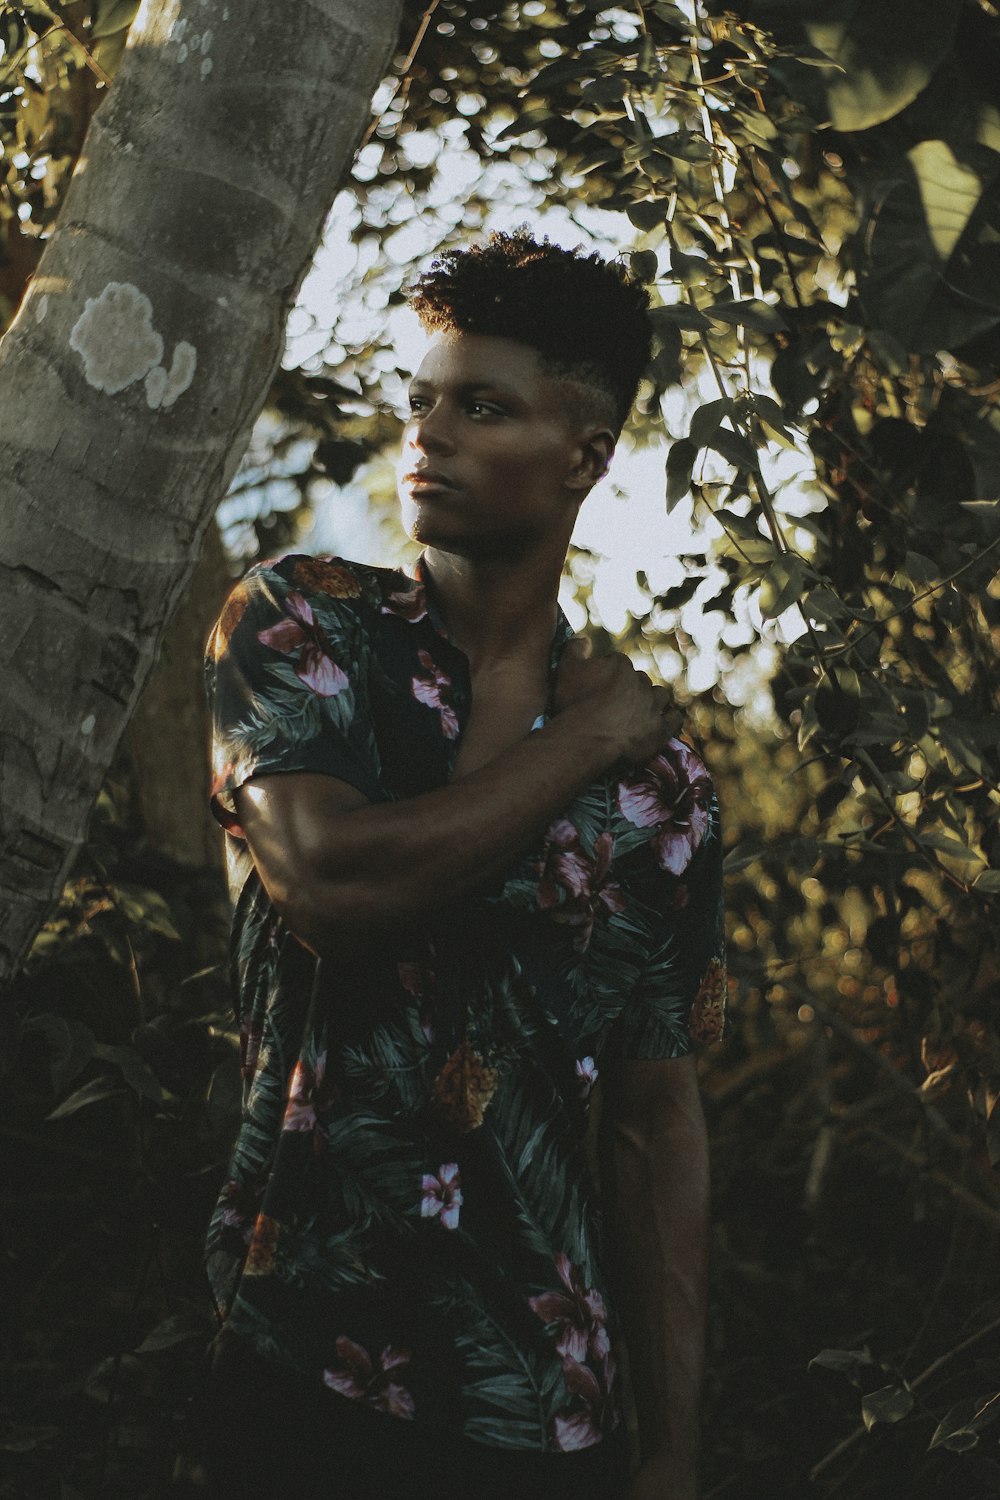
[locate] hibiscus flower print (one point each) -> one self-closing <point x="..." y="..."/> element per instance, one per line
<point x="586" y="1075"/>
<point x="672" y="795"/>
<point x="582" y="1423"/>
<point x="375" y="1382"/>
<point x="303" y="1088"/>
<point x="578" y="1315"/>
<point x="442" y="1195"/>
<point x="408" y="604"/>
<point x="433" y="688"/>
<point x="574" y="887"/>
<point x="708" y="1013"/>
<point x="300" y="632"/>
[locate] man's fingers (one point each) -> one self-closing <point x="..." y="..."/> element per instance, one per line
<point x="673" y="720"/>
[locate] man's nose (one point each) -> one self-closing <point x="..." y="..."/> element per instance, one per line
<point x="431" y="431"/>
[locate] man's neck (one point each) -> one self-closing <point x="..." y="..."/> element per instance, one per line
<point x="497" y="611"/>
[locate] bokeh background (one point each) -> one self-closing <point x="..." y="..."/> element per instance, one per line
<point x="800" y="533"/>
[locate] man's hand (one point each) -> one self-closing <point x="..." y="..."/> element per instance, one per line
<point x="615" y="696"/>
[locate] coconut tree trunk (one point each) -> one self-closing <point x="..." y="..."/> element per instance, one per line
<point x="131" y="377"/>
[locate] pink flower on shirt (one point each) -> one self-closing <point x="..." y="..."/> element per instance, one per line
<point x="574" y="887"/>
<point x="442" y="1195"/>
<point x="301" y="632"/>
<point x="672" y="794"/>
<point x="374" y="1382"/>
<point x="433" y="688"/>
<point x="582" y="1423"/>
<point x="408" y="604"/>
<point x="578" y="1315"/>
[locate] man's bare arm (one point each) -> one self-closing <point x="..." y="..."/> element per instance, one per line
<point x="341" y="870"/>
<point x="656" y="1157"/>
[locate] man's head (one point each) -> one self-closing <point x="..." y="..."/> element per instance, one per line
<point x="586" y="319"/>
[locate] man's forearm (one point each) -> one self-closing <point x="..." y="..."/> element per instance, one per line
<point x="334" y="873"/>
<point x="658" y="1212"/>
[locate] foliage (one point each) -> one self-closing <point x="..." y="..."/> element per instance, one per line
<point x="815" y="197"/>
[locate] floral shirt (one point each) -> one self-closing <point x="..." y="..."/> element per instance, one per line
<point x="409" y="1212"/>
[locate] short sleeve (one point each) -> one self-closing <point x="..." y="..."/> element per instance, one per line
<point x="679" y="1001"/>
<point x="286" y="678"/>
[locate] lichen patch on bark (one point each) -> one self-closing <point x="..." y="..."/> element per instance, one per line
<point x="115" y="337"/>
<point x="163" y="387"/>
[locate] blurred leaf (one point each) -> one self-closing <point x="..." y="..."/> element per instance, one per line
<point x="680" y="464"/>
<point x="734" y="448"/>
<point x="705" y="420"/>
<point x="680" y="314"/>
<point x="136" y="1073"/>
<point x="949" y="191"/>
<point x="782" y="585"/>
<point x="838" y="699"/>
<point x="643" y="265"/>
<point x="111" y="16"/>
<point x="91" y="1093"/>
<point x="890" y="1404"/>
<point x="959" y="1430"/>
<point x="752" y="313"/>
<point x="179" y="1328"/>
<point x="71" y="1042"/>
<point x="988" y="881"/>
<point x="844" y="1361"/>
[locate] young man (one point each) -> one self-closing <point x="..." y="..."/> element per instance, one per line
<point x="474" y="875"/>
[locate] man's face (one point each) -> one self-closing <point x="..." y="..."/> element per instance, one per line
<point x="492" y="462"/>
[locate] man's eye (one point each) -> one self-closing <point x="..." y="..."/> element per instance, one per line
<point x="485" y="409"/>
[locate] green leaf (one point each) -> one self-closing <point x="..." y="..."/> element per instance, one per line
<point x="690" y="270"/>
<point x="680" y="464"/>
<point x="647" y="214"/>
<point x="72" y="1045"/>
<point x="111" y="16"/>
<point x="889" y="1404"/>
<point x="745" y="527"/>
<point x="705" y="421"/>
<point x="534" y="119"/>
<point x="643" y="265"/>
<point x="782" y="585"/>
<point x="988" y="882"/>
<point x="949" y="191"/>
<point x="680" y="315"/>
<point x="838" y="700"/>
<point x="750" y="313"/>
<point x="844" y="1361"/>
<point x="734" y="448"/>
<point x="136" y="1073"/>
<point x="887" y="52"/>
<point x="959" y="1430"/>
<point x="91" y="1093"/>
<point x="179" y="1328"/>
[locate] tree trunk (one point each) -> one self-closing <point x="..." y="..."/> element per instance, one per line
<point x="168" y="734"/>
<point x="131" y="377"/>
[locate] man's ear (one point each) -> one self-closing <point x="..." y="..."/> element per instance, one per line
<point x="597" y="447"/>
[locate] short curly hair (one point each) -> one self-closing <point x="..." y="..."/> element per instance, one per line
<point x="585" y="317"/>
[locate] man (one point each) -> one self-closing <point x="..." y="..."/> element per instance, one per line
<point x="474" y="874"/>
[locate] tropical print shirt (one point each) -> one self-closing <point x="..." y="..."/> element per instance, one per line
<point x="409" y="1213"/>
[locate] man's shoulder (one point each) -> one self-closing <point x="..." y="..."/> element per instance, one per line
<point x="328" y="577"/>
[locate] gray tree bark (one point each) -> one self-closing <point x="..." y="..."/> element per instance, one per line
<point x="132" y="375"/>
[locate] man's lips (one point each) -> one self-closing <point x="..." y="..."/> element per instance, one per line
<point x="426" y="479"/>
